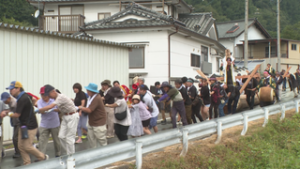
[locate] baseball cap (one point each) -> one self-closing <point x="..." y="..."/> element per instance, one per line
<point x="5" y="96"/>
<point x="48" y="89"/>
<point x="14" y="84"/>
<point x="42" y="90"/>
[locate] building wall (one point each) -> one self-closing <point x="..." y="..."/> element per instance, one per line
<point x="36" y="59"/>
<point x="181" y="50"/>
<point x="253" y="34"/>
<point x="156" y="51"/>
<point x="294" y="54"/>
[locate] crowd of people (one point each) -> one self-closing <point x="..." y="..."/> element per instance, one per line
<point x="115" y="109"/>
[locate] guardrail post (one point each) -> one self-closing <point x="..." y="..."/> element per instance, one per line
<point x="71" y="162"/>
<point x="297" y="106"/>
<point x="219" y="132"/>
<point x="138" y="154"/>
<point x="266" y="117"/>
<point x="185" y="142"/>
<point x="245" y="125"/>
<point x="282" y="112"/>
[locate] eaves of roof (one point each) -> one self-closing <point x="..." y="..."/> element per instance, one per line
<point x="49" y="33"/>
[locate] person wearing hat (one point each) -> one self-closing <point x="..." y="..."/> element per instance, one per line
<point x="108" y="99"/>
<point x="146" y="97"/>
<point x="270" y="70"/>
<point x="266" y="81"/>
<point x="12" y="104"/>
<point x="97" y="117"/>
<point x="163" y="108"/>
<point x="121" y="112"/>
<point x="50" y="124"/>
<point x="196" y="103"/>
<point x="178" y="103"/>
<point x="136" y="128"/>
<point x="215" y="95"/>
<point x="141" y="108"/>
<point x="187" y="101"/>
<point x="27" y="118"/>
<point x="70" y="118"/>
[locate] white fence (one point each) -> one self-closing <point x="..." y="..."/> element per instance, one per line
<point x="36" y="58"/>
<point x="103" y="156"/>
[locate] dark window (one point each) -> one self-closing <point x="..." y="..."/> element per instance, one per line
<point x="273" y="51"/>
<point x="233" y="29"/>
<point x="294" y="46"/>
<point x="136" y="58"/>
<point x="204" y="53"/>
<point x="195" y="60"/>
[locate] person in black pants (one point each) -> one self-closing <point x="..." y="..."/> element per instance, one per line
<point x="249" y="92"/>
<point x="234" y="96"/>
<point x="196" y="104"/>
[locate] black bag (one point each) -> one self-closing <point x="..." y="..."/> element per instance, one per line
<point x="121" y="116"/>
<point x="195" y="101"/>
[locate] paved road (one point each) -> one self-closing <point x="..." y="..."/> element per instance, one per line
<point x="8" y="162"/>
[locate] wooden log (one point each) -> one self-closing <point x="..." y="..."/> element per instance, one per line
<point x="249" y="78"/>
<point x="203" y="75"/>
<point x="286" y="72"/>
<point x="238" y="77"/>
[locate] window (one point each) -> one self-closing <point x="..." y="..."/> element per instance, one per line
<point x="294" y="46"/>
<point x="103" y="15"/>
<point x="195" y="60"/>
<point x="273" y="52"/>
<point x="136" y="58"/>
<point x="204" y="53"/>
<point x="233" y="29"/>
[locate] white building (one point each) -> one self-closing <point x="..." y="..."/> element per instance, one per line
<point x="231" y="34"/>
<point x="173" y="42"/>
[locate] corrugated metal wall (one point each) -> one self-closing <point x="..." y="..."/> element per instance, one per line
<point x="36" y="59"/>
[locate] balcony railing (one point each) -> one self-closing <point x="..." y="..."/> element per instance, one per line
<point x="61" y="23"/>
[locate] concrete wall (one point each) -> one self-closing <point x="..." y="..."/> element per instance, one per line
<point x="36" y="59"/>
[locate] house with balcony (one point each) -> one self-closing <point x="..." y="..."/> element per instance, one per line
<point x="266" y="51"/>
<point x="231" y="34"/>
<point x="173" y="42"/>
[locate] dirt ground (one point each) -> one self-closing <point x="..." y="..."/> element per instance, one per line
<point x="230" y="135"/>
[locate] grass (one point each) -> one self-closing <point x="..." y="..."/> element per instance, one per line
<point x="276" y="146"/>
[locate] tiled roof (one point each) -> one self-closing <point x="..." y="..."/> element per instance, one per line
<point x="37" y="31"/>
<point x="198" y="22"/>
<point x="153" y="18"/>
<point x="224" y="27"/>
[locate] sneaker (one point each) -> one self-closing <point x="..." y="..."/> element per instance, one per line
<point x="177" y="122"/>
<point x="83" y="137"/>
<point x="180" y="123"/>
<point x="34" y="145"/>
<point x="46" y="157"/>
<point x="16" y="155"/>
<point x="164" y="122"/>
<point x="78" y="142"/>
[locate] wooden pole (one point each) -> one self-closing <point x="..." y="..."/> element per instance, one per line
<point x="249" y="78"/>
<point x="203" y="75"/>
<point x="286" y="72"/>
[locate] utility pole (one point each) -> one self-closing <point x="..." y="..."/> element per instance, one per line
<point x="278" y="36"/>
<point x="246" y="35"/>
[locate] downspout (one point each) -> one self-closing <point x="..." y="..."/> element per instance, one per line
<point x="169" y="54"/>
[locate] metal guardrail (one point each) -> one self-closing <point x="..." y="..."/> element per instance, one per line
<point x="102" y="156"/>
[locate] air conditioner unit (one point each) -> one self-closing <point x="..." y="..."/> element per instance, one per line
<point x="206" y="67"/>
